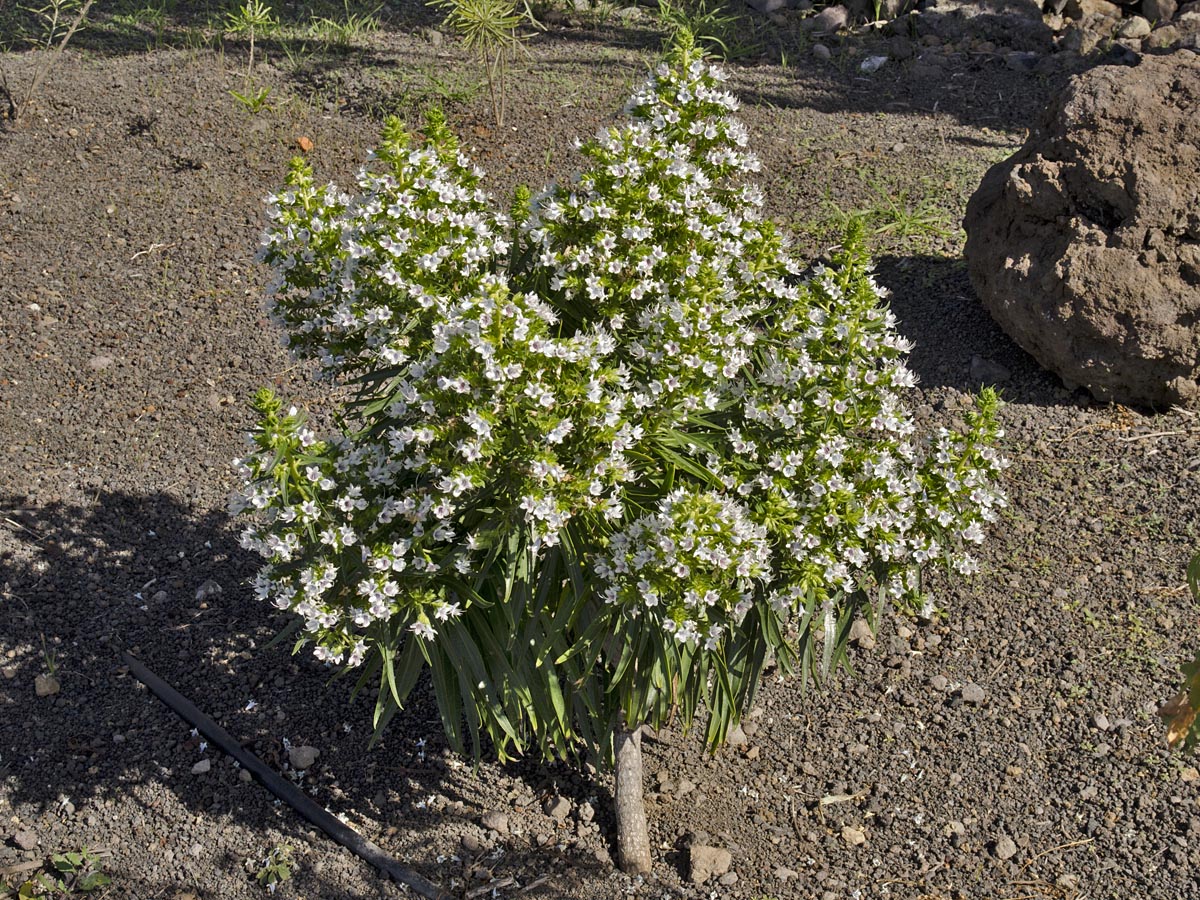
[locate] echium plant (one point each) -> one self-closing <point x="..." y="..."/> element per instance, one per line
<point x="602" y="460"/>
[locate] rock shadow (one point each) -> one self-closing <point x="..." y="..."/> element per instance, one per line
<point x="938" y="311"/>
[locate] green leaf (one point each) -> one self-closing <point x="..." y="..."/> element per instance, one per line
<point x="388" y="653"/>
<point x="629" y="652"/>
<point x="445" y="689"/>
<point x="92" y="881"/>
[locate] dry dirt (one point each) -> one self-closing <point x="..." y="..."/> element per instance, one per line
<point x="1006" y="748"/>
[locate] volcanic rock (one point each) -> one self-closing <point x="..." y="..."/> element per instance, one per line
<point x="1085" y="245"/>
<point x="708" y="861"/>
<point x="302" y="758"/>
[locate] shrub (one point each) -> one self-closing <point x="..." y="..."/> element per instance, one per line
<point x="1182" y="709"/>
<point x="600" y="462"/>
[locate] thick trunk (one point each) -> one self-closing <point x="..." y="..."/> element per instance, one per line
<point x="633" y="840"/>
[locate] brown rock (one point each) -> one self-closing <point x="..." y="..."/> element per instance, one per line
<point x="1085" y="36"/>
<point x="1135" y="28"/>
<point x="828" y="20"/>
<point x="862" y="635"/>
<point x="1085" y="245"/>
<point x="1159" y="10"/>
<point x="26" y="840"/>
<point x="1161" y="38"/>
<point x="45" y="685"/>
<point x="707" y="862"/>
<point x="1081" y="9"/>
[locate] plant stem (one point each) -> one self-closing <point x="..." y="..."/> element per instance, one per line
<point x="48" y="59"/>
<point x="494" y="87"/>
<point x="633" y="839"/>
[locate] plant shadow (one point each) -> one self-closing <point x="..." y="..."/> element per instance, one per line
<point x="103" y="763"/>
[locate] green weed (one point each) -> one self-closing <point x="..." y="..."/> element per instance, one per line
<point x="255" y="101"/>
<point x="66" y="874"/>
<point x="709" y="22"/>
<point x="342" y="34"/>
<point x="275" y="868"/>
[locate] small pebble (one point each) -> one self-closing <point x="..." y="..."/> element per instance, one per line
<point x="861" y="634"/>
<point x="494" y="820"/>
<point x="557" y="807"/>
<point x="302" y="758"/>
<point x="208" y="589"/>
<point x="973" y="693"/>
<point x="1004" y="848"/>
<point x="26" y="840"/>
<point x="202" y="767"/>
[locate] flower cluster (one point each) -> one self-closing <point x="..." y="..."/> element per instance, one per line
<point x="651" y="241"/>
<point x="635" y="373"/>
<point x="698" y="556"/>
<point x="474" y="401"/>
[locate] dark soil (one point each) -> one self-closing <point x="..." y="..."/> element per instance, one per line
<point x="1006" y="748"/>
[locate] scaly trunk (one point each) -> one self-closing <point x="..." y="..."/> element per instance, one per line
<point x="633" y="840"/>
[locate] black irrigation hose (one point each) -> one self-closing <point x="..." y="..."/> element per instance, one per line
<point x="281" y="787"/>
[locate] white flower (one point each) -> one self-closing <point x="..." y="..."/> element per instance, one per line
<point x="423" y="630"/>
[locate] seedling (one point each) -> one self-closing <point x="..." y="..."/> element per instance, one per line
<point x="50" y="658"/>
<point x="59" y="28"/>
<point x="489" y="28"/>
<point x="152" y="15"/>
<point x="276" y="868"/>
<point x="253" y="18"/>
<point x="255" y="101"/>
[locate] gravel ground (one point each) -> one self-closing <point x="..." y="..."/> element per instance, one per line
<point x="1007" y="747"/>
